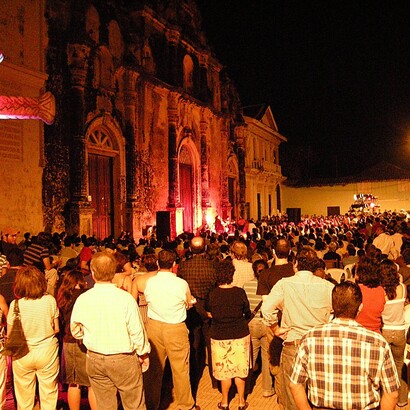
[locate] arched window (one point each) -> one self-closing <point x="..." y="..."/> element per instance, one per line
<point x="92" y="25"/>
<point x="188" y="73"/>
<point x="99" y="139"/>
<point x="147" y="59"/>
<point x="116" y="44"/>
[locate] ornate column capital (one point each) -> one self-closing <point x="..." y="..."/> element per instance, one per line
<point x="173" y="36"/>
<point x="173" y="112"/>
<point x="203" y="58"/>
<point x="77" y="57"/>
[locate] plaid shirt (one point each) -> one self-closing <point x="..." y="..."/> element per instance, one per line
<point x="344" y="365"/>
<point x="200" y="274"/>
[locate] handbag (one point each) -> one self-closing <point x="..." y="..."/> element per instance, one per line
<point x="255" y="311"/>
<point x="16" y="343"/>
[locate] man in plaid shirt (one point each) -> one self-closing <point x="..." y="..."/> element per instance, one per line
<point x="344" y="365"/>
<point x="200" y="274"/>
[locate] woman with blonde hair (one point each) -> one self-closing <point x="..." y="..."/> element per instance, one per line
<point x="39" y="319"/>
<point x="243" y="268"/>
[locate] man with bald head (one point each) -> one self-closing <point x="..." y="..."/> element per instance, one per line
<point x="200" y="273"/>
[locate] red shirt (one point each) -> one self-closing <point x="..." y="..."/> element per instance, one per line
<point x="373" y="304"/>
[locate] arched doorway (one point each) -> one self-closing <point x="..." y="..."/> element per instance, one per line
<point x="105" y="179"/>
<point x="186" y="188"/>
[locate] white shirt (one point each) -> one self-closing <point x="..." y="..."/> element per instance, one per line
<point x="305" y="301"/>
<point x="384" y="242"/>
<point x="108" y="320"/>
<point x="166" y="295"/>
<point x="243" y="272"/>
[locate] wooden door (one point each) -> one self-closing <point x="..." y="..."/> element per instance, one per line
<point x="232" y="196"/>
<point x="186" y="185"/>
<point x="100" y="171"/>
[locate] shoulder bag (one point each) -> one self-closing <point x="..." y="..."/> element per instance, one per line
<point x="16" y="343"/>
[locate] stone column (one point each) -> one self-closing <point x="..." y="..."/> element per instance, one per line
<point x="173" y="37"/>
<point x="173" y="192"/>
<point x="205" y="194"/>
<point x="240" y="138"/>
<point x="203" y="77"/>
<point x="134" y="209"/>
<point x="226" y="207"/>
<point x="80" y="211"/>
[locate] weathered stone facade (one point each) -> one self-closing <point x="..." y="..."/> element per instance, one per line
<point x="145" y="120"/>
<point x="22" y="86"/>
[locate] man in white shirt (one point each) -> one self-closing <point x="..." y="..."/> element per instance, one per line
<point x="383" y="241"/>
<point x="305" y="301"/>
<point x="108" y="321"/>
<point x="168" y="298"/>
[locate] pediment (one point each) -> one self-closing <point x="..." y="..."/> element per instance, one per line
<point x="268" y="120"/>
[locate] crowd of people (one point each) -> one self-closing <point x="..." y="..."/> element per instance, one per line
<point x="257" y="298"/>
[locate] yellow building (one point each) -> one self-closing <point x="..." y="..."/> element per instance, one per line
<point x="387" y="182"/>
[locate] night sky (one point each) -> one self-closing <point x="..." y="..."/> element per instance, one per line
<point x="335" y="73"/>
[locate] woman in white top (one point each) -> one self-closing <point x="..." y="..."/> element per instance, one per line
<point x="394" y="327"/>
<point x="39" y="319"/>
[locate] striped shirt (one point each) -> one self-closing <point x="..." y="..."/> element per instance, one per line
<point x="37" y="318"/>
<point x="35" y="254"/>
<point x="250" y="289"/>
<point x="345" y="365"/>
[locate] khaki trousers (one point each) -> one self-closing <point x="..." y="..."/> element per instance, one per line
<point x="168" y="341"/>
<point x="43" y="363"/>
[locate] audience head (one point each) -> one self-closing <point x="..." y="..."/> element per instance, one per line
<point x="319" y="267"/>
<point x="368" y="272"/>
<point x="149" y="261"/>
<point x="103" y="266"/>
<point x="406" y="256"/>
<point x="306" y="259"/>
<point x="346" y="300"/>
<point x="15" y="257"/>
<point x="351" y="250"/>
<point x="224" y="272"/>
<point x="72" y="280"/>
<point x="10" y="235"/>
<point x="166" y="259"/>
<point x="197" y="245"/>
<point x="332" y="246"/>
<point x="30" y="283"/>
<point x="282" y="248"/>
<point x="258" y="266"/>
<point x="239" y="250"/>
<point x="390" y="278"/>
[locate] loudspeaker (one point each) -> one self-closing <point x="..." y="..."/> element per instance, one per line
<point x="163" y="224"/>
<point x="293" y="215"/>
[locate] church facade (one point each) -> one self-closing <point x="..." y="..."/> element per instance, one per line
<point x="144" y="126"/>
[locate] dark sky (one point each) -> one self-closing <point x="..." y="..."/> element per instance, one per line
<point x="335" y="73"/>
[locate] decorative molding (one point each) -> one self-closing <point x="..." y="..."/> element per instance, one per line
<point x="42" y="108"/>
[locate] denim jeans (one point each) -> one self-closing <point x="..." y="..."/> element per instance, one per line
<point x="259" y="339"/>
<point x="397" y="342"/>
<point x="286" y="362"/>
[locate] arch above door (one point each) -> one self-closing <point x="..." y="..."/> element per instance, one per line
<point x="105" y="164"/>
